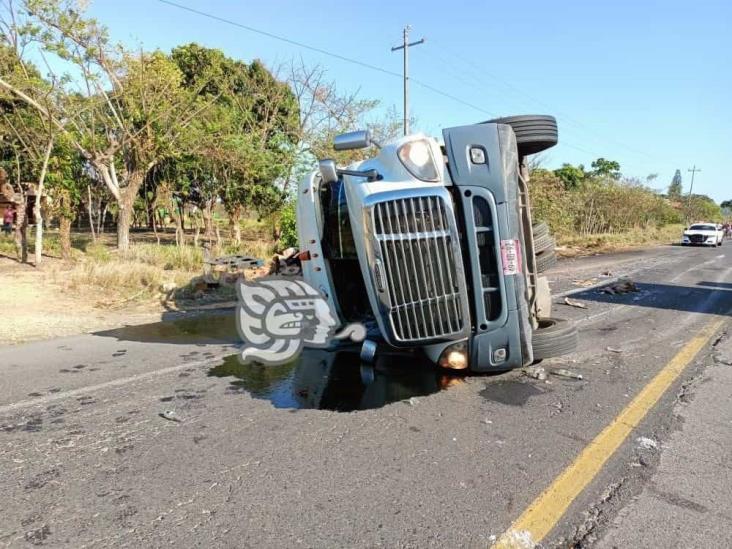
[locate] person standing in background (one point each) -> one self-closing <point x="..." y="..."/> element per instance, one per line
<point x="8" y="218"/>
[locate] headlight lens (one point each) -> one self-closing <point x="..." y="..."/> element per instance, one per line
<point x="417" y="158"/>
<point x="455" y="356"/>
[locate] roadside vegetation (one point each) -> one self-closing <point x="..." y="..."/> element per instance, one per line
<point x="600" y="210"/>
<point x="134" y="165"/>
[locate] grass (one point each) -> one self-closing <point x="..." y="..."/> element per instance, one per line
<point x="147" y="271"/>
<point x="151" y="271"/>
<point x="612" y="242"/>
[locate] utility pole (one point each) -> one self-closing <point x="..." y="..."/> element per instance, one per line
<point x="693" y="173"/>
<point x="691" y="188"/>
<point x="405" y="46"/>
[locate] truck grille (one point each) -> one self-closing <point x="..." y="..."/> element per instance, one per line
<point x="697" y="238"/>
<point x="419" y="268"/>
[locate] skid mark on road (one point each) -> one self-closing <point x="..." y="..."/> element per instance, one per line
<point x="546" y="510"/>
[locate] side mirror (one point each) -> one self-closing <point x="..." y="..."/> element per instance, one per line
<point x="328" y="171"/>
<point x="352" y="140"/>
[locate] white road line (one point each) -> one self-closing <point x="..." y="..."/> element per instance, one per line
<point x="107" y="384"/>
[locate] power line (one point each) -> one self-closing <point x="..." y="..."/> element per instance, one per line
<point x="321" y="51"/>
<point x="376" y="68"/>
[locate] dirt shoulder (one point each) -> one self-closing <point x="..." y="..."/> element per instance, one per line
<point x="37" y="307"/>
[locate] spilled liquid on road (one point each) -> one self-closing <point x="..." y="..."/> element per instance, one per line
<point x="219" y="328"/>
<point x="336" y="380"/>
<point x="329" y="380"/>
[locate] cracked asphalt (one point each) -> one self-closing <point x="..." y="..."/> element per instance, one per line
<point x="150" y="436"/>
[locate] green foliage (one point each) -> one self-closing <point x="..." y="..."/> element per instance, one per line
<point x="699" y="207"/>
<point x="571" y="176"/>
<point x="606" y="168"/>
<point x="599" y="205"/>
<point x="288" y="226"/>
<point x="675" y="188"/>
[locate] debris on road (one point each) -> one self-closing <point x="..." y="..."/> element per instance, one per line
<point x="606" y="274"/>
<point x="563" y="372"/>
<point x="613" y="350"/>
<point x="622" y="286"/>
<point x="585" y="283"/>
<point x="413" y="401"/>
<point x="535" y="372"/>
<point x="574" y="303"/>
<point x="647" y="443"/>
<point x="170" y="415"/>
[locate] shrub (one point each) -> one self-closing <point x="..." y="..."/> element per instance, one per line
<point x="288" y="226"/>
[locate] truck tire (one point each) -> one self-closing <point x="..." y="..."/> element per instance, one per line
<point x="543" y="244"/>
<point x="540" y="229"/>
<point x="554" y="337"/>
<point x="545" y="261"/>
<point x="534" y="132"/>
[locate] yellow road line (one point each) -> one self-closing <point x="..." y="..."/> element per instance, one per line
<point x="546" y="510"/>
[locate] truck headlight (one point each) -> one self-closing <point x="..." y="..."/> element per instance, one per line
<point x="417" y="158"/>
<point x="454" y="356"/>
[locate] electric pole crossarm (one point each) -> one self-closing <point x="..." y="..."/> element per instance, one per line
<point x="406" y="44"/>
<point x="395" y="48"/>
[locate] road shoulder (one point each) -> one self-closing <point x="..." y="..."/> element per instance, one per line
<point x="686" y="501"/>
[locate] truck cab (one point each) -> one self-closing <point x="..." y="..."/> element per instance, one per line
<point x="431" y="245"/>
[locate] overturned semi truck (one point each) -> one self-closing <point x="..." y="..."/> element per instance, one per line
<point x="432" y="247"/>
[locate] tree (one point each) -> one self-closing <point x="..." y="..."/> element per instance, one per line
<point x="249" y="138"/>
<point x="571" y="176"/>
<point x="132" y="110"/>
<point x="29" y="140"/>
<point x="606" y="168"/>
<point x="727" y="204"/>
<point x="699" y="207"/>
<point x="675" y="189"/>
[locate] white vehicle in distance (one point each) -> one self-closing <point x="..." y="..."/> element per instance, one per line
<point x="703" y="234"/>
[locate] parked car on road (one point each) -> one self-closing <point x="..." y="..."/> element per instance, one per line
<point x="703" y="234"/>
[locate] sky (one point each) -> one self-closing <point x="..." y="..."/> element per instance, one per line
<point x="646" y="83"/>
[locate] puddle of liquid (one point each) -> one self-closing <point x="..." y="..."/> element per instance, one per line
<point x="510" y="392"/>
<point x="220" y="328"/>
<point x="336" y="380"/>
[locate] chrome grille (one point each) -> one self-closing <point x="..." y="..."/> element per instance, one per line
<point x="421" y="274"/>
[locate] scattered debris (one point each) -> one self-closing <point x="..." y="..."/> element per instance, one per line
<point x="535" y="372"/>
<point x="413" y="401"/>
<point x="622" y="286"/>
<point x="170" y="415"/>
<point x="613" y="350"/>
<point x="288" y="263"/>
<point x="647" y="443"/>
<point x="606" y="274"/>
<point x="585" y="283"/>
<point x="574" y="303"/>
<point x="563" y="372"/>
<point x="558" y="408"/>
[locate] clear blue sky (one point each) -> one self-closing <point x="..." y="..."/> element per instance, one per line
<point x="646" y="83"/>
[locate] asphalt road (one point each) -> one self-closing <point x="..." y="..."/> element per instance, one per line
<point x="310" y="455"/>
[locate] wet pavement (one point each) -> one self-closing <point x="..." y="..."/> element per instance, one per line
<point x="336" y="381"/>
